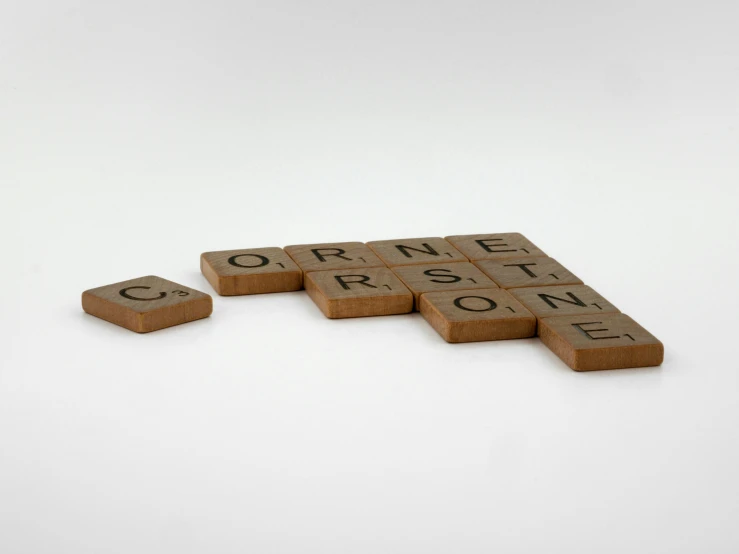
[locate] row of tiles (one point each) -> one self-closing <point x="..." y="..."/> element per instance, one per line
<point x="462" y="300"/>
<point x="509" y="259"/>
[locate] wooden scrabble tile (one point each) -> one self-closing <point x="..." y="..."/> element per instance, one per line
<point x="600" y="341"/>
<point x="477" y="315"/>
<point x="442" y="277"/>
<point x="358" y="292"/>
<point x="527" y="272"/>
<point x="335" y="255"/>
<point x="416" y="251"/>
<point x="563" y="300"/>
<point x="147" y="304"/>
<point x="251" y="271"/>
<point x="495" y="246"/>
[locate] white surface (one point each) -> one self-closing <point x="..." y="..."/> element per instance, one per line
<point x="134" y="136"/>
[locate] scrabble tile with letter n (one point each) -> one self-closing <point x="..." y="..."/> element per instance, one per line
<point x="416" y="251"/>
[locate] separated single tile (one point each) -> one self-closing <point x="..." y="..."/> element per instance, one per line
<point x="147" y="304"/>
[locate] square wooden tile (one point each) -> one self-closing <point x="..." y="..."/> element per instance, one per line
<point x="429" y="250"/>
<point x="335" y="255"/>
<point x="147" y="303"/>
<point x="527" y="272"/>
<point x="562" y="300"/>
<point x="358" y="292"/>
<point x="442" y="277"/>
<point x="495" y="246"/>
<point x="251" y="271"/>
<point x="477" y="315"/>
<point x="600" y="341"/>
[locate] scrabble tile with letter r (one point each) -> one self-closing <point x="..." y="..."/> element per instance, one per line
<point x="495" y="246"/>
<point x="600" y="341"/>
<point x="442" y="277"/>
<point x="477" y="315"/>
<point x="563" y="300"/>
<point x="416" y="251"/>
<point x="147" y="304"/>
<point x="527" y="272"/>
<point x="335" y="255"/>
<point x="358" y="292"/>
<point x="251" y="271"/>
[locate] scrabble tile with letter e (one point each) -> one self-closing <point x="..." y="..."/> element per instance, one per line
<point x="251" y="271"/>
<point x="563" y="300"/>
<point x="358" y="292"/>
<point x="147" y="304"/>
<point x="495" y="246"/>
<point x="477" y="315"/>
<point x="336" y="255"/>
<point x="442" y="277"/>
<point x="416" y="251"/>
<point x="600" y="341"/>
<point x="527" y="272"/>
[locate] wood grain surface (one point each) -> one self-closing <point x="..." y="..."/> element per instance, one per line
<point x="600" y="341"/>
<point x="495" y="246"/>
<point x="416" y="251"/>
<point x="358" y="292"/>
<point x="251" y="271"/>
<point x="527" y="272"/>
<point x="477" y="315"/>
<point x="563" y="300"/>
<point x="147" y="304"/>
<point x="334" y="255"/>
<point x="442" y="277"/>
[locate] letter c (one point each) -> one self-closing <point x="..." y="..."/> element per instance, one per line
<point x="124" y="294"/>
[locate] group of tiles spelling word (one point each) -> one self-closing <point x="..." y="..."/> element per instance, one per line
<point x="468" y="287"/>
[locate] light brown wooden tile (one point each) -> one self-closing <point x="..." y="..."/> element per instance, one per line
<point x="600" y="341"/>
<point x="147" y="304"/>
<point x="442" y="277"/>
<point x="563" y="300"/>
<point x="527" y="272"/>
<point x="251" y="271"/>
<point x="429" y="250"/>
<point x="358" y="292"/>
<point x="495" y="246"/>
<point x="477" y="315"/>
<point x="335" y="255"/>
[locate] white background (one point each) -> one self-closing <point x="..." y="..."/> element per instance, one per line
<point x="136" y="135"/>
